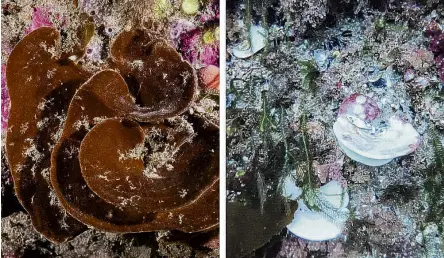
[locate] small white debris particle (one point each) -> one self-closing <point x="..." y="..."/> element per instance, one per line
<point x="183" y="193"/>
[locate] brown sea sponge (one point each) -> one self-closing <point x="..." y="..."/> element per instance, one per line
<point x="127" y="158"/>
<point x="113" y="168"/>
<point x="163" y="83"/>
<point x="41" y="84"/>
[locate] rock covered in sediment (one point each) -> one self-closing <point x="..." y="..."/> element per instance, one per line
<point x="369" y="140"/>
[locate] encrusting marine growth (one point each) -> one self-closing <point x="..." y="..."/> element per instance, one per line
<point x="114" y="150"/>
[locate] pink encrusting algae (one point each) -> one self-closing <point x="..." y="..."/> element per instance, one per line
<point x="211" y="12"/>
<point x="196" y="52"/>
<point x="178" y="28"/>
<point x="435" y="33"/>
<point x="210" y="55"/>
<point x="5" y="100"/>
<point x="40" y="18"/>
<point x="189" y="45"/>
<point x="357" y="102"/>
<point x="189" y="37"/>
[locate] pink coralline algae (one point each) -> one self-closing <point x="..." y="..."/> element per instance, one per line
<point x="331" y="172"/>
<point x="178" y="28"/>
<point x="211" y="12"/>
<point x="189" y="35"/>
<point x="188" y="45"/>
<point x="5" y="100"/>
<point x="40" y="18"/>
<point x="298" y="248"/>
<point x="212" y="243"/>
<point x="435" y="33"/>
<point x="433" y="29"/>
<point x="437" y="44"/>
<point x="210" y="55"/>
<point x="194" y="50"/>
<point x="357" y="101"/>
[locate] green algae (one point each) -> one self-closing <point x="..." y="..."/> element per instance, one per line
<point x="309" y="73"/>
<point x="434" y="183"/>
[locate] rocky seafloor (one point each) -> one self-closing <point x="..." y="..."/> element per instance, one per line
<point x="194" y="34"/>
<point x="393" y="211"/>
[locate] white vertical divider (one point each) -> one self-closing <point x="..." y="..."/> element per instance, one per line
<point x="223" y="136"/>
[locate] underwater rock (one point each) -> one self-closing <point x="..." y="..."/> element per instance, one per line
<point x="369" y="141"/>
<point x="256" y="42"/>
<point x="9" y="204"/>
<point x="210" y="11"/>
<point x="421" y="82"/>
<point x="326" y="218"/>
<point x="420" y="59"/>
<point x="430" y="237"/>
<point x="231" y="100"/>
<point x="379" y="79"/>
<point x="409" y="75"/>
<point x="331" y="171"/>
<point x="94" y="51"/>
<point x="334" y="42"/>
<point x="380" y="83"/>
<point x="374" y="74"/>
<point x="322" y="59"/>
